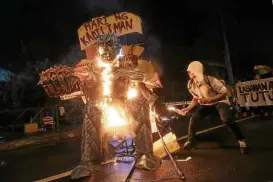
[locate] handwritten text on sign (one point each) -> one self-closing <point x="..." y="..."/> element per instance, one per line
<point x="119" y="23"/>
<point x="255" y="93"/>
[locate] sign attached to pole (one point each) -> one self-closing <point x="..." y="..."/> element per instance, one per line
<point x="119" y="23"/>
<point x="255" y="92"/>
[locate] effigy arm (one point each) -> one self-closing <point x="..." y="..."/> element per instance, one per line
<point x="59" y="80"/>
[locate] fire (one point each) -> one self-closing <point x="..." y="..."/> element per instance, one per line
<point x="132" y="92"/>
<point x="153" y="121"/>
<point x="171" y="108"/>
<point x="120" y="54"/>
<point x="100" y="50"/>
<point x="106" y="76"/>
<point x="113" y="116"/>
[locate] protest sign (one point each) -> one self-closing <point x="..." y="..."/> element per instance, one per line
<point x="119" y="23"/>
<point x="255" y="92"/>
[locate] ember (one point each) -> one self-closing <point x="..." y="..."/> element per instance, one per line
<point x="132" y="92"/>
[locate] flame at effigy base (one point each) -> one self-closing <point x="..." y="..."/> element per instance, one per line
<point x="115" y="121"/>
<point x="114" y="117"/>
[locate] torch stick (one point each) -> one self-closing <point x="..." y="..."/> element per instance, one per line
<point x="175" y="165"/>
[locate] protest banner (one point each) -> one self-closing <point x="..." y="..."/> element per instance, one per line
<point x="255" y="92"/>
<point x="119" y="23"/>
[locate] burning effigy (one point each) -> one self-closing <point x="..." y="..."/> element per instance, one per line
<point x="115" y="84"/>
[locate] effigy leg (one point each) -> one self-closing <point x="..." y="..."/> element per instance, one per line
<point x="91" y="150"/>
<point x="153" y="100"/>
<point x="163" y="115"/>
<point x="139" y="114"/>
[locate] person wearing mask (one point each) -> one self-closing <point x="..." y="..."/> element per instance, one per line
<point x="209" y="95"/>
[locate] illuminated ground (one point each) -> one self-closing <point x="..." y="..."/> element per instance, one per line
<point x="209" y="163"/>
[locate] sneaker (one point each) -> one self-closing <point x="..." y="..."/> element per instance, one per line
<point x="189" y="145"/>
<point x="243" y="146"/>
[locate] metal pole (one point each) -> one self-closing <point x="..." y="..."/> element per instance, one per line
<point x="215" y="128"/>
<point x="175" y="165"/>
<point x="227" y="53"/>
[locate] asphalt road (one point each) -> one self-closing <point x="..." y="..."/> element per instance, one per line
<point x="210" y="162"/>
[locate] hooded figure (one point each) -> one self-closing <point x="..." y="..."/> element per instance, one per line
<point x="205" y="87"/>
<point x="209" y="96"/>
<point x="197" y="69"/>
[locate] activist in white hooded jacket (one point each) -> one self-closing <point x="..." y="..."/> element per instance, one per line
<point x="205" y="87"/>
<point x="210" y="93"/>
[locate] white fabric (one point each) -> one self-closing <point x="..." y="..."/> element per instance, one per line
<point x="198" y="86"/>
<point x="204" y="90"/>
<point x="197" y="69"/>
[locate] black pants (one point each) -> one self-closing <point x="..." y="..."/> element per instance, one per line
<point x="225" y="114"/>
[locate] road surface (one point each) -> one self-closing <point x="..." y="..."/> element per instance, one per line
<point x="210" y="162"/>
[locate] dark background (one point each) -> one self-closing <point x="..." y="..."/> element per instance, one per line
<point x="174" y="33"/>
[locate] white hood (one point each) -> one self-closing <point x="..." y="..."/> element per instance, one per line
<point x="197" y="69"/>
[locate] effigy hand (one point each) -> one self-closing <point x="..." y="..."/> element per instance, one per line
<point x="59" y="80"/>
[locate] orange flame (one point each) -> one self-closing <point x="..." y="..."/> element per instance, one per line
<point x="132" y="93"/>
<point x="113" y="116"/>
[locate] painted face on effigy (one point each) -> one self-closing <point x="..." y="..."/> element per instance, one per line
<point x="106" y="51"/>
<point x="106" y="46"/>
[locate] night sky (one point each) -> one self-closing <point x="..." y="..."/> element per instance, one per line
<point x="33" y="30"/>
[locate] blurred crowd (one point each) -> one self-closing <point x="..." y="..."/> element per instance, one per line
<point x="260" y="72"/>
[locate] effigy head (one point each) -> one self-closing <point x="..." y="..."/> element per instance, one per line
<point x="107" y="45"/>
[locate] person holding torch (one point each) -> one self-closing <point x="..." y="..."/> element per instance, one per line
<point x="209" y="95"/>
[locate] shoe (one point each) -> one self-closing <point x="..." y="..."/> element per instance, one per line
<point x="243" y="146"/>
<point x="189" y="145"/>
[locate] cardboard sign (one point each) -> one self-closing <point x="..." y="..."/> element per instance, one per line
<point x="255" y="92"/>
<point x="119" y="23"/>
<point x="171" y="142"/>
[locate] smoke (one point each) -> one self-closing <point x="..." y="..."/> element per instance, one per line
<point x="152" y="47"/>
<point x="73" y="56"/>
